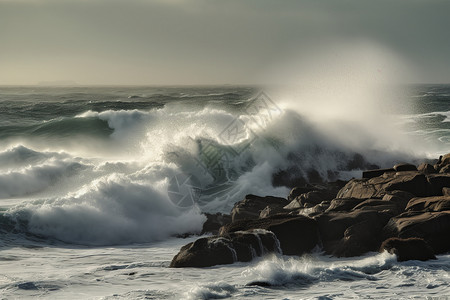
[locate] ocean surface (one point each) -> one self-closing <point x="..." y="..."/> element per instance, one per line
<point x="96" y="183"/>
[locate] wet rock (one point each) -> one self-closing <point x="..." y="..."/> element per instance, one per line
<point x="359" y="238"/>
<point x="251" y="207"/>
<point x="337" y="239"/>
<point x="433" y="227"/>
<point x="296" y="234"/>
<point x="408" y="249"/>
<point x="220" y="250"/>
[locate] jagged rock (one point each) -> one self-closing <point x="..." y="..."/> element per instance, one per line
<point x="343" y="204"/>
<point x="405" y="167"/>
<point x="438" y="203"/>
<point x="297" y="234"/>
<point x="315" y="210"/>
<point x="410" y="181"/>
<point x="251" y="207"/>
<point x="311" y="198"/>
<point x="446" y="191"/>
<point x="408" y="249"/>
<point x="426" y="168"/>
<point x="298" y="190"/>
<point x="443" y="162"/>
<point x="214" y="222"/>
<point x="237" y="246"/>
<point x="433" y="227"/>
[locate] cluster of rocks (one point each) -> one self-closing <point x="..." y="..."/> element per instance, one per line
<point x="404" y="210"/>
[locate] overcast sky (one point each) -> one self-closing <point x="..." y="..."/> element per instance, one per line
<point x="214" y="42"/>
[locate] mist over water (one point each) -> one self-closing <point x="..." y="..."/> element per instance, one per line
<point x="88" y="170"/>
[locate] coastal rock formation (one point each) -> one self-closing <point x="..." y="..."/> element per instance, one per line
<point x="296" y="234"/>
<point x="408" y="249"/>
<point x="438" y="203"/>
<point x="251" y="207"/>
<point x="433" y="227"/>
<point x="219" y="250"/>
<point x="406" y="207"/>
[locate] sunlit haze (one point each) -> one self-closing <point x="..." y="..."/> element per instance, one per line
<point x="175" y="42"/>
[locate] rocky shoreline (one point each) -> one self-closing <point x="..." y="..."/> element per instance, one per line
<point x="404" y="210"/>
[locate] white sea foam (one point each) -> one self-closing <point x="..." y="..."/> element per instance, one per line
<point x="111" y="210"/>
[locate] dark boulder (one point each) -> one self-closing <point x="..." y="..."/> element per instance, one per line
<point x="408" y="249"/>
<point x="337" y="239"/>
<point x="238" y="246"/>
<point x="251" y="207"/>
<point x="436" y="182"/>
<point x="296" y="234"/>
<point x="433" y="227"/>
<point x="359" y="238"/>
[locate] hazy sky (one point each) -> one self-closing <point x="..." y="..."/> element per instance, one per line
<point x="209" y="42"/>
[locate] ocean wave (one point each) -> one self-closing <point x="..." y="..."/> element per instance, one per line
<point x="218" y="290"/>
<point x="47" y="169"/>
<point x="110" y="210"/>
<point x="307" y="270"/>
